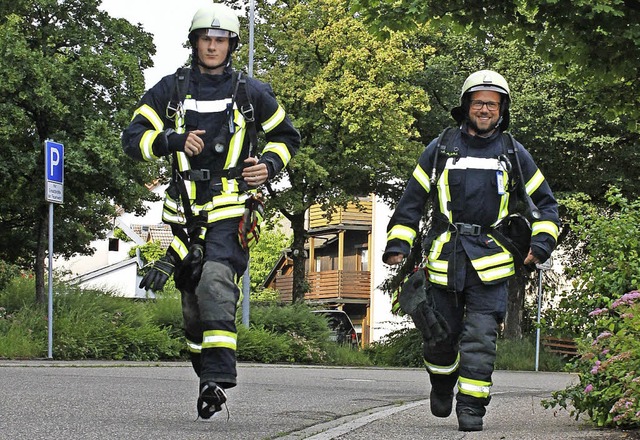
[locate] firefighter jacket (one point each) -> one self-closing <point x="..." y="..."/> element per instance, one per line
<point x="207" y="186"/>
<point x="469" y="198"/>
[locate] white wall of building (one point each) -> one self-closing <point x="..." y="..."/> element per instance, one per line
<point x="382" y="320"/>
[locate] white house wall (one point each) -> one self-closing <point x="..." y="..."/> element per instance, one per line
<point x="382" y="320"/>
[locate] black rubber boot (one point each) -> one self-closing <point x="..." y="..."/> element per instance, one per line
<point x="210" y="400"/>
<point x="469" y="419"/>
<point x="441" y="404"/>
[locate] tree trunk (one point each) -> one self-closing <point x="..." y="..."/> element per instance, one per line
<point x="41" y="253"/>
<point x="300" y="285"/>
<point x="515" y="305"/>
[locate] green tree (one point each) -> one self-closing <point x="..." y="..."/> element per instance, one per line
<point x="352" y="98"/>
<point x="72" y="74"/>
<point x="595" y="41"/>
<point x="266" y="254"/>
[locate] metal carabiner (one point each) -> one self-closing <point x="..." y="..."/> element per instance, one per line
<point x="505" y="163"/>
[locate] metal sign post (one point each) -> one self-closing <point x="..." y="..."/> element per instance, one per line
<point x="246" y="277"/>
<point x="541" y="268"/>
<point x="53" y="193"/>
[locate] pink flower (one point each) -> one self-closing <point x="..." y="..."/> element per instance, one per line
<point x="627" y="298"/>
<point x="588" y="389"/>
<point x="595" y="368"/>
<point x="597" y="312"/>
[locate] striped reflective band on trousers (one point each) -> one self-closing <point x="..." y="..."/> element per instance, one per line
<point x="475" y="388"/>
<point x="219" y="339"/>
<point x="440" y="369"/>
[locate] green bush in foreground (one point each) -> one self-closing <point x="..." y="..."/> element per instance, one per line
<point x="609" y="368"/>
<point x="88" y="324"/>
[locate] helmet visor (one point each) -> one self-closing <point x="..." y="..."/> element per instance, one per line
<point x="487" y="87"/>
<point x="218" y="33"/>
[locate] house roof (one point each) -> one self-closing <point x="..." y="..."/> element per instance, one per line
<point x="160" y="232"/>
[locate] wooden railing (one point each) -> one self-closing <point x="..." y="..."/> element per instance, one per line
<point x="353" y="215"/>
<point x="328" y="285"/>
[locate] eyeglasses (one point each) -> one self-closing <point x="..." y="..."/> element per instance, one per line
<point x="491" y="105"/>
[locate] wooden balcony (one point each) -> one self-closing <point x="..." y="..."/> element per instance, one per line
<point x="329" y="286"/>
<point x="353" y="215"/>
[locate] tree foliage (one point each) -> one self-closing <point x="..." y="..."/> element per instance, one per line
<point x="595" y="42"/>
<point x="71" y="73"/>
<point x="352" y="98"/>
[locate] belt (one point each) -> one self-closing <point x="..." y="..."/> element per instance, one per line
<point x="205" y="175"/>
<point x="469" y="229"/>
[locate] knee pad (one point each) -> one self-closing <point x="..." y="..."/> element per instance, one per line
<point x="217" y="292"/>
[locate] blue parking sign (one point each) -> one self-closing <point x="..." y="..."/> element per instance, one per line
<point x="54" y="171"/>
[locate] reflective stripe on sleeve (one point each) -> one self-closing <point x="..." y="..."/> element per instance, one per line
<point x="534" y="183"/>
<point x="401" y="232"/>
<point x="545" y="226"/>
<point x="274" y="120"/>
<point x="422" y="178"/>
<point x="280" y="149"/>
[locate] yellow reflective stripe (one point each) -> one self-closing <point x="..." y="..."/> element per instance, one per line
<point x="504" y="198"/>
<point x="475" y="388"/>
<point x="438" y="244"/>
<point x="146" y="145"/>
<point x="178" y="246"/>
<point x="183" y="161"/>
<point x="173" y="216"/>
<point x="545" y="226"/>
<point x="223" y="200"/>
<point x="422" y="177"/>
<point x="150" y="115"/>
<point x="225" y="213"/>
<point x="235" y="150"/>
<point x="193" y="347"/>
<point x="492" y="260"/>
<point x="444" y="195"/>
<point x="274" y="120"/>
<point x="219" y="339"/>
<point x="438" y="265"/>
<point x="497" y="273"/>
<point x="440" y="369"/>
<point x="534" y="183"/>
<point x="401" y="232"/>
<point x="280" y="149"/>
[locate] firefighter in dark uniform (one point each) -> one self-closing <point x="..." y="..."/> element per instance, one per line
<point x="467" y="266"/>
<point x="197" y="118"/>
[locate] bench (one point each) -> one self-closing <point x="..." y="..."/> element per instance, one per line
<point x="563" y="346"/>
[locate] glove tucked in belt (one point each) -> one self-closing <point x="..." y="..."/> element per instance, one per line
<point x="416" y="301"/>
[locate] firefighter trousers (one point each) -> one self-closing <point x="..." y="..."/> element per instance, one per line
<point x="468" y="356"/>
<point x="209" y="309"/>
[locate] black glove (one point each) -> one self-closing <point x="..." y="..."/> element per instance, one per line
<point x="159" y="273"/>
<point x="190" y="270"/>
<point x="416" y="301"/>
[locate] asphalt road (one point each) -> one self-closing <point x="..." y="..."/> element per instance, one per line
<point x="111" y="400"/>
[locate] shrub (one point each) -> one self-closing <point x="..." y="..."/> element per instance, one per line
<point x="261" y="345"/>
<point x="609" y="368"/>
<point x="400" y="348"/>
<point x="95" y="325"/>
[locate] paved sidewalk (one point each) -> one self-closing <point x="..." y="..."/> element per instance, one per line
<point x="135" y="400"/>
